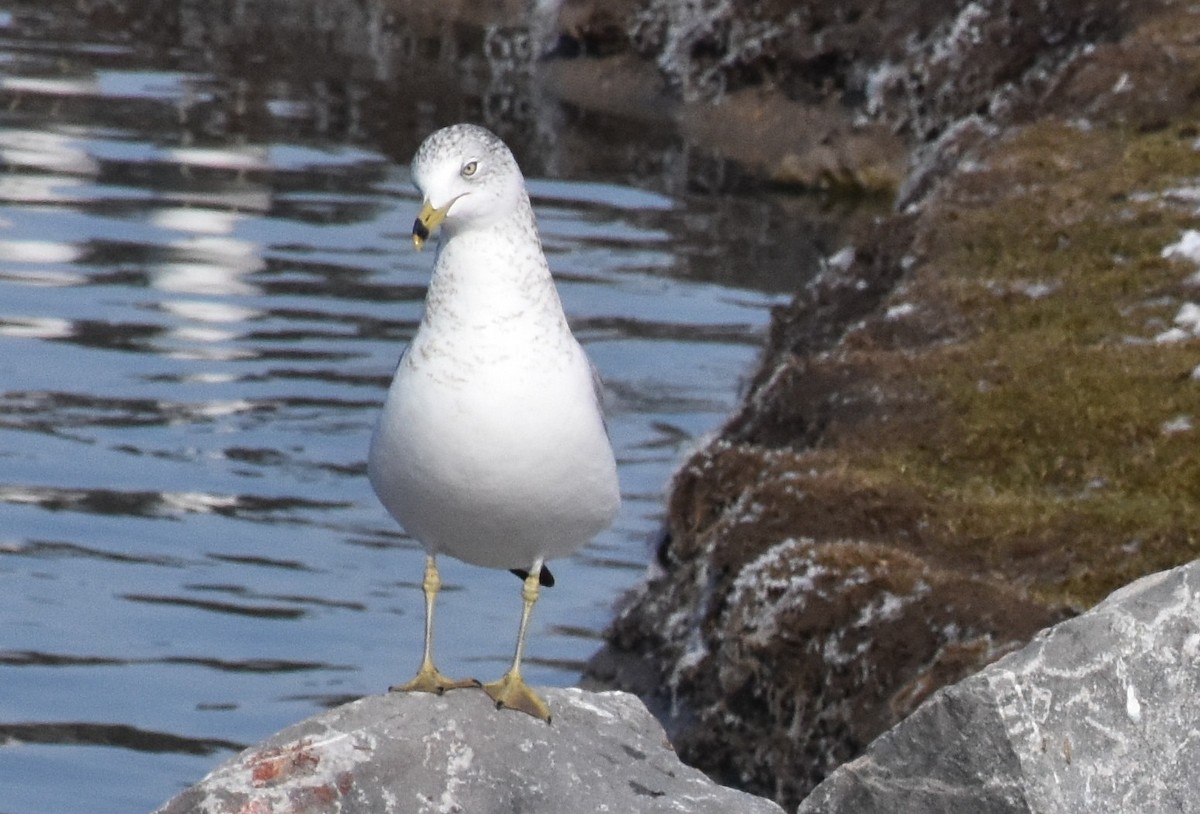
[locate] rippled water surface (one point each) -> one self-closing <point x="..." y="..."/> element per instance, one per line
<point x="205" y="281"/>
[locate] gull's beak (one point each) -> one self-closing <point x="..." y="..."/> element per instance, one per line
<point x="427" y="221"/>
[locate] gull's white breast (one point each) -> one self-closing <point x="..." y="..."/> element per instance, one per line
<point x="491" y="446"/>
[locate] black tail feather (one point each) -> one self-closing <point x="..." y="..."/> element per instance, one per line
<point x="545" y="578"/>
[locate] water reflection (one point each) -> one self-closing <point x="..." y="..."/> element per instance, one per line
<point x="49" y="152"/>
<point x="119" y="736"/>
<point x="32" y="658"/>
<point x="205" y="282"/>
<point x="151" y="504"/>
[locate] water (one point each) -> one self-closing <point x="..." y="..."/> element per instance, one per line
<point x="205" y="281"/>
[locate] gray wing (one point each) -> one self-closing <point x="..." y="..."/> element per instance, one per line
<point x="598" y="393"/>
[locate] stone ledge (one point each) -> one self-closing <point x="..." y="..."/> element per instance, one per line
<point x="1098" y="713"/>
<point x="457" y="753"/>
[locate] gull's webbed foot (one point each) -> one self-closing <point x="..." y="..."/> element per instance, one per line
<point x="430" y="679"/>
<point x="512" y="692"/>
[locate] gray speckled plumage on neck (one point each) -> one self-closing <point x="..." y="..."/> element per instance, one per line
<point x="490" y="273"/>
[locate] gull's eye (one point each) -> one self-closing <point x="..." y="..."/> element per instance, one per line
<point x="469" y="168"/>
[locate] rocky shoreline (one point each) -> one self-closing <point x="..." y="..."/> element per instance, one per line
<point x="415" y="752"/>
<point x="1096" y="714"/>
<point x="857" y="535"/>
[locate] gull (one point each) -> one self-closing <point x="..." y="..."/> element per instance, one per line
<point x="491" y="446"/>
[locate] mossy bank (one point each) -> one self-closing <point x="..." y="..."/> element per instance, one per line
<point x="980" y="420"/>
<point x="1043" y="423"/>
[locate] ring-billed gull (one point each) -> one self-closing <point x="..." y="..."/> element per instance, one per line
<point x="491" y="446"/>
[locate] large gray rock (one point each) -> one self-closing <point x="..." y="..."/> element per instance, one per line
<point x="457" y="753"/>
<point x="1099" y="713"/>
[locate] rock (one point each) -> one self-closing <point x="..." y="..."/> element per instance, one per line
<point x="1098" y="713"/>
<point x="774" y="670"/>
<point x="916" y="67"/>
<point x="770" y="693"/>
<point x="794" y="144"/>
<point x="424" y="753"/>
<point x="797" y="614"/>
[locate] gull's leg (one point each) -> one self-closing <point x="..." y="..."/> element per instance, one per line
<point x="428" y="679"/>
<point x="511" y="690"/>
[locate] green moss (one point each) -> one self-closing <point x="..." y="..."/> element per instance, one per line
<point x="1051" y="464"/>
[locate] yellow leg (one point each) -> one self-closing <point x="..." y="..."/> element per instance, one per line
<point x="511" y="690"/>
<point x="428" y="678"/>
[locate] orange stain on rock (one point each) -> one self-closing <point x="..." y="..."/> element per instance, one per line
<point x="272" y="765"/>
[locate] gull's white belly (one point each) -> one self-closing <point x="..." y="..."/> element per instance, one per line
<point x="497" y="467"/>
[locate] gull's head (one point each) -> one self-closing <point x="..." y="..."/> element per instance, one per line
<point x="467" y="176"/>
